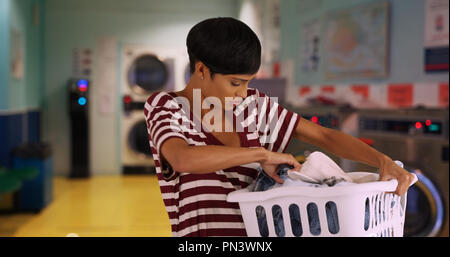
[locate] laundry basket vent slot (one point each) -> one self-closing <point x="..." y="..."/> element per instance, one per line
<point x="277" y="215"/>
<point x="332" y="217"/>
<point x="313" y="218"/>
<point x="296" y="223"/>
<point x="262" y="221"/>
<point x="367" y="215"/>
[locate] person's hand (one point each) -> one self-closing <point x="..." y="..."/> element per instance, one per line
<point x="390" y="170"/>
<point x="271" y="161"/>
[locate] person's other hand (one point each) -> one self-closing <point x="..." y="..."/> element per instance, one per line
<point x="390" y="170"/>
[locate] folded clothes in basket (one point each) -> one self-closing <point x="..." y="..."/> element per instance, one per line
<point x="317" y="171"/>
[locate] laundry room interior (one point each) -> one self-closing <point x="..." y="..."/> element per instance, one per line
<point x="75" y="75"/>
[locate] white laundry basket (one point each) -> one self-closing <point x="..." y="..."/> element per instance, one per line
<point x="386" y="211"/>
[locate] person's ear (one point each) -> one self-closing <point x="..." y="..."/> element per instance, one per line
<point x="201" y="70"/>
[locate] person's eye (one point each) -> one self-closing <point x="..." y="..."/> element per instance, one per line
<point x="235" y="84"/>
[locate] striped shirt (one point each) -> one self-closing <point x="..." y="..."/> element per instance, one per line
<point x="196" y="203"/>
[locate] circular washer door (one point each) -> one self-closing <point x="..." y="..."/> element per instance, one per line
<point x="138" y="140"/>
<point x="147" y="74"/>
<point x="424" y="210"/>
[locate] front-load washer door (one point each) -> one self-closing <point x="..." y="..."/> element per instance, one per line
<point x="147" y="74"/>
<point x="138" y="140"/>
<point x="425" y="208"/>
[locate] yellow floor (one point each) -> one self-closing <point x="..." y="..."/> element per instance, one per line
<point x="98" y="206"/>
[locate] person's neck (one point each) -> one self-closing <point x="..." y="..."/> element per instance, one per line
<point x="188" y="92"/>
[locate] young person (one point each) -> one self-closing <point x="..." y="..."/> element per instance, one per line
<point x="197" y="166"/>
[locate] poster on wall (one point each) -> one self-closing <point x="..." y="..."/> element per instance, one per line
<point x="436" y="35"/>
<point x="17" y="55"/>
<point x="82" y="63"/>
<point x="310" y="41"/>
<point x="356" y="42"/>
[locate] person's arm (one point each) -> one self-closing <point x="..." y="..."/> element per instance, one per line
<point x="351" y="148"/>
<point x="338" y="143"/>
<point x="210" y="158"/>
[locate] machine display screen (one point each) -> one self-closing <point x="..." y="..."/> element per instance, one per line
<point x="402" y="126"/>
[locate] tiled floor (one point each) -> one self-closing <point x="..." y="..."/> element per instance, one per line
<point x="98" y="206"/>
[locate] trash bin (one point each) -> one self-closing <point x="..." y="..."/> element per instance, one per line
<point x="8" y="184"/>
<point x="37" y="190"/>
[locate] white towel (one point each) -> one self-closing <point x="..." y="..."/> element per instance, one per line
<point x="319" y="168"/>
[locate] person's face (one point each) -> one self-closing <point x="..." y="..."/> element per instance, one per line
<point x="222" y="86"/>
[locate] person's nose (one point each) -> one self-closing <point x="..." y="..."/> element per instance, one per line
<point x="242" y="92"/>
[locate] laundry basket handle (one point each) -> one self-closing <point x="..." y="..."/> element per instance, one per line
<point x="399" y="163"/>
<point x="393" y="183"/>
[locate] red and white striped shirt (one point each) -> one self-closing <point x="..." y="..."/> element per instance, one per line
<point x="196" y="203"/>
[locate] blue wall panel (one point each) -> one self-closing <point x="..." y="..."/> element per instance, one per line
<point x="12" y="132"/>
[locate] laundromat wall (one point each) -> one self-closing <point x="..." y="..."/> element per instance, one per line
<point x="19" y="18"/>
<point x="82" y="24"/>
<point x="405" y="40"/>
<point x="21" y="94"/>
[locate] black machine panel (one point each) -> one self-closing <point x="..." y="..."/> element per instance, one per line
<point x="79" y="123"/>
<point x="427" y="127"/>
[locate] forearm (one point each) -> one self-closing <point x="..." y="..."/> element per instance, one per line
<point x="351" y="148"/>
<point x="210" y="158"/>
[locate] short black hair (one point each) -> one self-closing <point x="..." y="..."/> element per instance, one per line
<point x="225" y="45"/>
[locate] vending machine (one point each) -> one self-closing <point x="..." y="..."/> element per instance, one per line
<point x="79" y="127"/>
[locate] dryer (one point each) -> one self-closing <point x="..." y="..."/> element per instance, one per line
<point x="144" y="70"/>
<point x="418" y="138"/>
<point x="136" y="154"/>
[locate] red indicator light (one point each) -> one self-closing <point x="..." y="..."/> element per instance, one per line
<point x="314" y="119"/>
<point x="82" y="87"/>
<point x="127" y="99"/>
<point x="418" y="125"/>
<point x="428" y="122"/>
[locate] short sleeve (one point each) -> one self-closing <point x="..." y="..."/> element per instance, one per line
<point x="163" y="123"/>
<point x="164" y="120"/>
<point x="275" y="123"/>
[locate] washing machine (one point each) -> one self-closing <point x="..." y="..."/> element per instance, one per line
<point x="144" y="70"/>
<point x="418" y="138"/>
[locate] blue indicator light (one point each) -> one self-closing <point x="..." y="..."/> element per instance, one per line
<point x="82" y="101"/>
<point x="83" y="82"/>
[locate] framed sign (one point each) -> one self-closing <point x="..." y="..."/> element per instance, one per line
<point x="436" y="35"/>
<point x="356" y="42"/>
